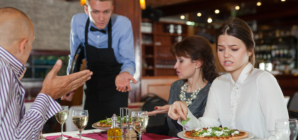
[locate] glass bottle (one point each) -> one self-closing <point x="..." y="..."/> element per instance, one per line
<point x="114" y="133"/>
<point x="131" y="134"/>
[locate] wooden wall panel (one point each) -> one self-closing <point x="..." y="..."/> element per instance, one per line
<point x="131" y="9"/>
<point x="159" y="85"/>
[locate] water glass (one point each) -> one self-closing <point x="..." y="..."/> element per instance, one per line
<point x="286" y="129"/>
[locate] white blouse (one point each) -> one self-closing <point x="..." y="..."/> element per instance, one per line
<point x="251" y="104"/>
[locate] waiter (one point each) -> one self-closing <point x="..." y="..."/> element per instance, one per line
<point x="108" y="42"/>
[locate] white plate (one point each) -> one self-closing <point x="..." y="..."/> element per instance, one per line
<point x="101" y="128"/>
<point x="181" y="135"/>
<point x="98" y="127"/>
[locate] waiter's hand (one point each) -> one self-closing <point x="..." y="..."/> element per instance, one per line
<point x="68" y="97"/>
<point x="123" y="81"/>
<point x="178" y="110"/>
<point x="57" y="86"/>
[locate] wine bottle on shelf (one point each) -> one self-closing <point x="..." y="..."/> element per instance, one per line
<point x="281" y="53"/>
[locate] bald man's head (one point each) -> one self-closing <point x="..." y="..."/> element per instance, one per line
<point x="14" y="26"/>
<point x="16" y="33"/>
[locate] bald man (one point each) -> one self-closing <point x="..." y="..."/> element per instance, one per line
<point x="16" y="37"/>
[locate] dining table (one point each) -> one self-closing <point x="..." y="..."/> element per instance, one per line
<point x="96" y="134"/>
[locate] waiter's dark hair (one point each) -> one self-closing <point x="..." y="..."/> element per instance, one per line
<point x="197" y="48"/>
<point x="87" y="2"/>
<point x="239" y="28"/>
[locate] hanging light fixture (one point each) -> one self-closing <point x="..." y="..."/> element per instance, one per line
<point x="209" y="20"/>
<point x="216" y="11"/>
<point x="283" y="0"/>
<point x="182" y="17"/>
<point x="83" y="2"/>
<point x="199" y="14"/>
<point x="237" y="7"/>
<point x="143" y="4"/>
<point x="259" y="3"/>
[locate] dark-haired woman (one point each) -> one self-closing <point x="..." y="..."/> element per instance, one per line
<point x="196" y="70"/>
<point x="246" y="98"/>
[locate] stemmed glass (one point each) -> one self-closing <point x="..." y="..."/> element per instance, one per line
<point x="61" y="117"/>
<point x="80" y="120"/>
<point x="286" y="129"/>
<point x="139" y="121"/>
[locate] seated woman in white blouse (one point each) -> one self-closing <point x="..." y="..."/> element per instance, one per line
<point x="246" y="98"/>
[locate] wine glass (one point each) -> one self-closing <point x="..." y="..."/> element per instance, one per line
<point x="80" y="120"/>
<point x="139" y="121"/>
<point x="286" y="129"/>
<point x="61" y="117"/>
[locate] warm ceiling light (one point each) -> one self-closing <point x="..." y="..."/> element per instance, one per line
<point x="209" y="20"/>
<point x="237" y="7"/>
<point x="143" y="4"/>
<point x="216" y="11"/>
<point x="199" y="14"/>
<point x="83" y="2"/>
<point x="259" y="3"/>
<point x="182" y="17"/>
<point x="283" y="0"/>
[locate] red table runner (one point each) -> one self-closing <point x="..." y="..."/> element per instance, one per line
<point x="146" y="136"/>
<point x="66" y="136"/>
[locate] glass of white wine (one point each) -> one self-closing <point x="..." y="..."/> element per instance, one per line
<point x="139" y="121"/>
<point x="80" y="119"/>
<point x="61" y="117"/>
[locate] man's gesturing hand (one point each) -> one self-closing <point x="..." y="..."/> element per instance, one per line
<point x="57" y="86"/>
<point x="123" y="81"/>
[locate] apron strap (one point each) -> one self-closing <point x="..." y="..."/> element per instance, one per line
<point x="110" y="34"/>
<point x="86" y="36"/>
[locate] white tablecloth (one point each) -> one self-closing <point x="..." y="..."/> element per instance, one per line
<point x="74" y="133"/>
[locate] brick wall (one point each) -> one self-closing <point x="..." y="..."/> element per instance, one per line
<point x="51" y="20"/>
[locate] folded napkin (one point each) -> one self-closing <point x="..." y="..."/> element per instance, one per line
<point x="146" y="136"/>
<point x="97" y="136"/>
<point x="151" y="136"/>
<point x="54" y="137"/>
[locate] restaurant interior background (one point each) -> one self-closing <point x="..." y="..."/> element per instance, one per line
<point x="157" y="25"/>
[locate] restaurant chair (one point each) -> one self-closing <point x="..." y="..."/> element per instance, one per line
<point x="156" y="124"/>
<point x="293" y="114"/>
<point x="69" y="124"/>
<point x="293" y="102"/>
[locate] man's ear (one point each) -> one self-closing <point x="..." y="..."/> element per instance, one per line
<point x="86" y="9"/>
<point x="22" y="45"/>
<point x="112" y="9"/>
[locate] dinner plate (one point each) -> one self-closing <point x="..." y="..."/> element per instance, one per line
<point x="95" y="125"/>
<point x="181" y="135"/>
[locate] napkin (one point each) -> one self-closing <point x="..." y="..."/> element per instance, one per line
<point x="97" y="136"/>
<point x="66" y="136"/>
<point x="146" y="136"/>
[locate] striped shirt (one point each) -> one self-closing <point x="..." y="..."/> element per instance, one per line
<point x="15" y="124"/>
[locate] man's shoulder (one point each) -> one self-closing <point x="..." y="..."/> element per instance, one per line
<point x="118" y="19"/>
<point x="4" y="65"/>
<point x="78" y="18"/>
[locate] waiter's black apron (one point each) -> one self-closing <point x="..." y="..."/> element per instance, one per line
<point x="102" y="98"/>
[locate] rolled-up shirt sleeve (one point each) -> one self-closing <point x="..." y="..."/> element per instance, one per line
<point x="43" y="108"/>
<point x="12" y="124"/>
